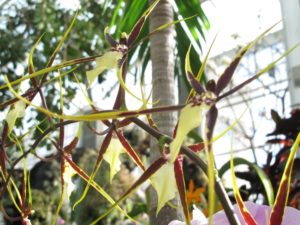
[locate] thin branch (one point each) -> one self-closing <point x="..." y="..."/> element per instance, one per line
<point x="34" y="145"/>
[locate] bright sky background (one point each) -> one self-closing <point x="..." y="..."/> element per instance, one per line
<point x="247" y="18"/>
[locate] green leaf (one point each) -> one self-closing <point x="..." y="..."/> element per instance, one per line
<point x="241" y="205"/>
<point x="139" y="24"/>
<point x="261" y="174"/>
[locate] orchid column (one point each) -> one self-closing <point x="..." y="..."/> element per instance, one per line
<point x="162" y="57"/>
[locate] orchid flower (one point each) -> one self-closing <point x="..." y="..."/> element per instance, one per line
<point x="111" y="59"/>
<point x="189" y="119"/>
<point x="116" y="58"/>
<point x="202" y="106"/>
<point x="261" y="214"/>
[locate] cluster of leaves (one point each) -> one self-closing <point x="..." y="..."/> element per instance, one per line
<point x="166" y="173"/>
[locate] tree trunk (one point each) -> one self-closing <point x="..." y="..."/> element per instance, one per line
<point x="162" y="57"/>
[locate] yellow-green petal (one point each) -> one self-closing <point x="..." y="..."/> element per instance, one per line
<point x="17" y="111"/>
<point x="165" y="185"/>
<point x="190" y="118"/>
<point x="108" y="61"/>
<point x="111" y="156"/>
<point x="67" y="176"/>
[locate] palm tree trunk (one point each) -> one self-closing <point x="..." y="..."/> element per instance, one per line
<point x="162" y="57"/>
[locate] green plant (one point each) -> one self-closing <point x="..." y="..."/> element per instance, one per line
<point x="165" y="174"/>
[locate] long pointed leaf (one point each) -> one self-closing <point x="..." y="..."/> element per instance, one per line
<point x="284" y="187"/>
<point x="249" y="220"/>
<point x="264" y="179"/>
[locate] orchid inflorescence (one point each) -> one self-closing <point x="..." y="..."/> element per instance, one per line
<point x="200" y="109"/>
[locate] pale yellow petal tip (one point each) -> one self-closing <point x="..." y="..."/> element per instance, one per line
<point x="185" y="125"/>
<point x="124" y="35"/>
<point x="112" y="156"/>
<point x="69" y="185"/>
<point x="106" y="30"/>
<point x="92" y="75"/>
<point x="109" y="60"/>
<point x="18" y="111"/>
<point x="165" y="185"/>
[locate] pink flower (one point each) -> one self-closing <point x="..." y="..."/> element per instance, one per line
<point x="261" y="213"/>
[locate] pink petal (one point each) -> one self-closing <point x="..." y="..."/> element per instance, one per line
<point x="261" y="214"/>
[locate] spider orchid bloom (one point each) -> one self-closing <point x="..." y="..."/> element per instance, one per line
<point x="189" y="119"/>
<point x="111" y="59"/>
<point x="261" y="214"/>
<point x="115" y="58"/>
<point x="17" y="111"/>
